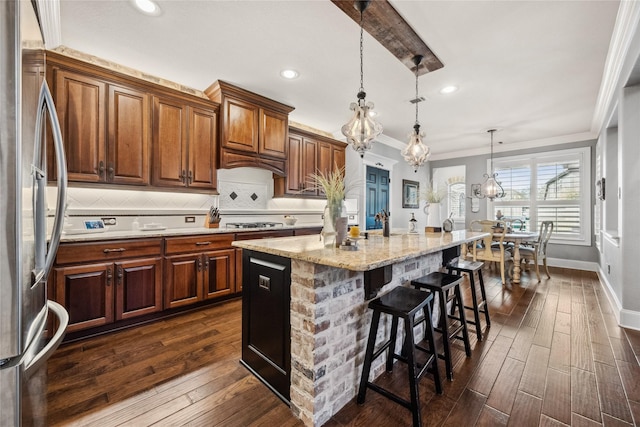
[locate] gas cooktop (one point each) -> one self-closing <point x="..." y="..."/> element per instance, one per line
<point x="253" y="224"/>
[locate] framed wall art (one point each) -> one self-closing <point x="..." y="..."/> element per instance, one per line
<point x="410" y="194"/>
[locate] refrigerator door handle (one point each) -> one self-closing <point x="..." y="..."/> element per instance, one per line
<point x="44" y="354"/>
<point x="46" y="101"/>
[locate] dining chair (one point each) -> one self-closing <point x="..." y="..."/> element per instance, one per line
<point x="538" y="251"/>
<point x="486" y="251"/>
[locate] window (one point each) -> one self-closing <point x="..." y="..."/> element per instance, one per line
<point x="552" y="186"/>
<point x="450" y="181"/>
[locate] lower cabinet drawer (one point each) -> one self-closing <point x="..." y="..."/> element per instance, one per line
<point x="75" y="253"/>
<point x="207" y="242"/>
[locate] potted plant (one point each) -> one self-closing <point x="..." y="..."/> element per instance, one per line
<point x="332" y="183"/>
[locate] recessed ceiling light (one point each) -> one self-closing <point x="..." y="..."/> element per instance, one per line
<point x="448" y="89"/>
<point x="148" y="7"/>
<point x="289" y="74"/>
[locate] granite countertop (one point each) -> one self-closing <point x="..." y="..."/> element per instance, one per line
<point x="372" y="253"/>
<point x="172" y="232"/>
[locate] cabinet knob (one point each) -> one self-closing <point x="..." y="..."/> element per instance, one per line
<point x="120" y="274"/>
<point x="199" y="265"/>
<point x="183" y="176"/>
<point x="101" y="168"/>
<point x="206" y="264"/>
<point x="111" y="170"/>
<point x="109" y="276"/>
<point x="190" y="177"/>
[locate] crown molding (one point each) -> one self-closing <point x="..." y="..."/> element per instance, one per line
<point x="623" y="33"/>
<point x="517" y="146"/>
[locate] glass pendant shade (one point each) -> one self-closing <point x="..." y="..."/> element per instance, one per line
<point x="491" y="188"/>
<point x="362" y="129"/>
<point x="416" y="153"/>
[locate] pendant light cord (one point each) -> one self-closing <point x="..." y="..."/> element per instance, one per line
<point x="416" y="98"/>
<point x="361" y="51"/>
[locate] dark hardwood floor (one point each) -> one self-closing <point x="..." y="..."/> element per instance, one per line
<point x="553" y="356"/>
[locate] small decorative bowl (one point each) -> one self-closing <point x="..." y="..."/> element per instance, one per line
<point x="290" y="220"/>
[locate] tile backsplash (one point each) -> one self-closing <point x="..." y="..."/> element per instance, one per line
<point x="245" y="195"/>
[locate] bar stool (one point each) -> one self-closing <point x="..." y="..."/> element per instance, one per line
<point x="470" y="267"/>
<point x="402" y="303"/>
<point x="441" y="283"/>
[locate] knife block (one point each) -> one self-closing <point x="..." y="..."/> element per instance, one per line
<point x="209" y="224"/>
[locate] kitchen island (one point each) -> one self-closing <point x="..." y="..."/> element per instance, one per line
<point x="305" y="316"/>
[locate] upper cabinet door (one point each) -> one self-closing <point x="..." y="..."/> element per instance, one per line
<point x="273" y="133"/>
<point x="202" y="148"/>
<point x="241" y="125"/>
<point x="169" y="143"/>
<point x="80" y="102"/>
<point x="128" y="136"/>
<point x="309" y="164"/>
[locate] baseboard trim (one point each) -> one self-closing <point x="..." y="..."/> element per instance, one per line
<point x="625" y="318"/>
<point x="573" y="264"/>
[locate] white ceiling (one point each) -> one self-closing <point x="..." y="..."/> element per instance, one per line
<point x="532" y="69"/>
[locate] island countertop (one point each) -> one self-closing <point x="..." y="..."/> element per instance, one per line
<point x="372" y="253"/>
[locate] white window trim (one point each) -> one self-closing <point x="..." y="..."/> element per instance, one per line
<point x="584" y="153"/>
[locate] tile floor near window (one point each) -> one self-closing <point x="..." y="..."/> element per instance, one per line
<point x="553" y="356"/>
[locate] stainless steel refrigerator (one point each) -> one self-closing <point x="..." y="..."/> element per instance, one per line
<point x="31" y="327"/>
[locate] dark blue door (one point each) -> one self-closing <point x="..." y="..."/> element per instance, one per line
<point x="377" y="194"/>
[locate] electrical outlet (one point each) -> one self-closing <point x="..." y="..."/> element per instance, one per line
<point x="189" y="219"/>
<point x="109" y="221"/>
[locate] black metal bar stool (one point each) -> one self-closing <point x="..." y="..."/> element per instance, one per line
<point x="470" y="267"/>
<point x="402" y="303"/>
<point x="441" y="284"/>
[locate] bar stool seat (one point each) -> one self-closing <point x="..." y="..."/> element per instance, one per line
<point x="440" y="284"/>
<point x="401" y="303"/>
<point x="471" y="267"/>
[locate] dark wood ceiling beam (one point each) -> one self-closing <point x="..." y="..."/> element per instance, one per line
<point x="385" y="24"/>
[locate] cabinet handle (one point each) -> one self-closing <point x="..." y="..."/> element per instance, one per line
<point x="183" y="176"/>
<point x="110" y="170"/>
<point x="107" y="251"/>
<point x="109" y="276"/>
<point x="199" y="265"/>
<point x="190" y="177"/>
<point x="120" y="274"/>
<point x="202" y="243"/>
<point x="206" y="264"/>
<point x="101" y="168"/>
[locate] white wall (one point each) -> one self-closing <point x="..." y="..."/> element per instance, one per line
<point x="619" y="266"/>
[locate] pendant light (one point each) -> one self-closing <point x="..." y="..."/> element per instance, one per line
<point x="362" y="129"/>
<point x="491" y="188"/>
<point x="416" y="153"/>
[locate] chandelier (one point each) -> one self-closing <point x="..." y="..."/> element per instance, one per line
<point x="362" y="129"/>
<point x="491" y="188"/>
<point x="416" y="153"/>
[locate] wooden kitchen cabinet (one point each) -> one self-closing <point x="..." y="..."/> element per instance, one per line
<point x="184" y="144"/>
<point x="200" y="274"/>
<point x="308" y="153"/>
<point x="105" y="128"/>
<point x="109" y="120"/>
<point x="103" y="282"/>
<point x="86" y="291"/>
<point x="81" y="106"/>
<point x="253" y="128"/>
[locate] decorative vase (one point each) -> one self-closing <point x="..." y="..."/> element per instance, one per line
<point x="334" y="229"/>
<point x="433" y="214"/>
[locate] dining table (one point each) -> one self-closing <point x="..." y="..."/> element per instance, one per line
<point x="518" y="238"/>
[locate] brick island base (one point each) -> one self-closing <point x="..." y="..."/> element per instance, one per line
<point x="329" y="329"/>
